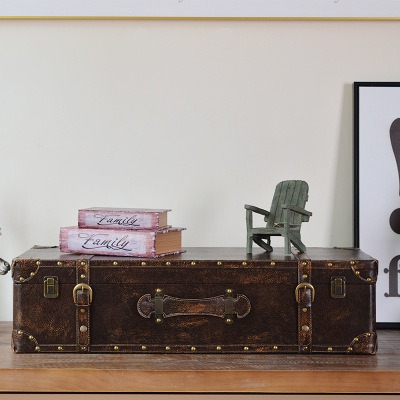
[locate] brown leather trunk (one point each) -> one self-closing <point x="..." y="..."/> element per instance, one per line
<point x="207" y="300"/>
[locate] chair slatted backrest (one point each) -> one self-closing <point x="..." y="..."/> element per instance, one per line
<point x="294" y="193"/>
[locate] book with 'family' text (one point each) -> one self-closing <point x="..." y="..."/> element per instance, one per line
<point x="122" y="218"/>
<point x="117" y="242"/>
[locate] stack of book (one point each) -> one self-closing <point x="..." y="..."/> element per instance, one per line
<point x="122" y="232"/>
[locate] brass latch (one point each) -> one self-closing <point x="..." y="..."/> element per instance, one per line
<point x="338" y="287"/>
<point x="50" y="284"/>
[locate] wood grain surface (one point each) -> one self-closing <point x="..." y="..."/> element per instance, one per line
<point x="201" y="373"/>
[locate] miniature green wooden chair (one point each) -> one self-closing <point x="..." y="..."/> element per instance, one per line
<point x="284" y="218"/>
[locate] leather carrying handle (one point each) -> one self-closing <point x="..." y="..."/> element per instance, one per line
<point x="164" y="306"/>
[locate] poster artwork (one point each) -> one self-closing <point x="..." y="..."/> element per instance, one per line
<point x="377" y="188"/>
<point x="394" y="219"/>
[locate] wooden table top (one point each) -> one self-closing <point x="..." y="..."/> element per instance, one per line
<point x="201" y="373"/>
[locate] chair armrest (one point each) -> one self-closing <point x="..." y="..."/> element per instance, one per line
<point x="257" y="210"/>
<point x="298" y="210"/>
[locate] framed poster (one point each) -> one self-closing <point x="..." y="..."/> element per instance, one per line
<point x="377" y="189"/>
<point x="197" y="9"/>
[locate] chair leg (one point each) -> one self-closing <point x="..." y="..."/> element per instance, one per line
<point x="262" y="244"/>
<point x="249" y="226"/>
<point x="249" y="246"/>
<point x="288" y="249"/>
<point x="286" y="231"/>
<point x="296" y="240"/>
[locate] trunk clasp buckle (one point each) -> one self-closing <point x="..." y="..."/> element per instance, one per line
<point x="82" y="286"/>
<point x="306" y="286"/>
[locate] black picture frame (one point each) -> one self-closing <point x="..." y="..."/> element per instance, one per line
<point x="366" y="94"/>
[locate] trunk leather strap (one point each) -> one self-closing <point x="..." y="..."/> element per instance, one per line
<point x="304" y="294"/>
<point x="82" y="297"/>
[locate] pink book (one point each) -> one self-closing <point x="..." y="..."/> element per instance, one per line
<point x="122" y="218"/>
<point x="112" y="242"/>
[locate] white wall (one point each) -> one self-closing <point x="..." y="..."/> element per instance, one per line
<point x="198" y="116"/>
